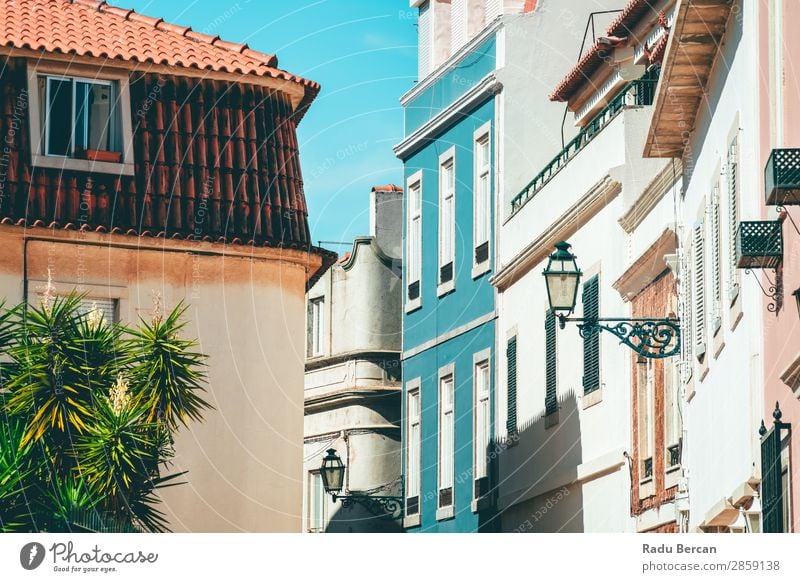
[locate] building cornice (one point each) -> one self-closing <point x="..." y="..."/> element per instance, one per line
<point x="451" y="62"/>
<point x="349" y="397"/>
<point x="485" y="88"/>
<point x="651" y="195"/>
<point x="566" y="225"/>
<point x="649" y="266"/>
<point x="369" y="241"/>
<point x="447" y="336"/>
<point x="367" y="355"/>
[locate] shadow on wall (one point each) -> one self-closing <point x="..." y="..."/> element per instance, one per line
<point x="536" y="473"/>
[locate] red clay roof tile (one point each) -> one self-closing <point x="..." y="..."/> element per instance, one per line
<point x="71" y="27"/>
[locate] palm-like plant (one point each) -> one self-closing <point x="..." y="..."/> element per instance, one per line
<point x="89" y="412"/>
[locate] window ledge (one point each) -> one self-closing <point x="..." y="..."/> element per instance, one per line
<point x="445" y="513"/>
<point x="77" y="165"/>
<point x="413" y="305"/>
<point x="445" y="288"/>
<point x="592" y="398"/>
<point x="481" y="504"/>
<point x="411" y="521"/>
<point x="479" y="269"/>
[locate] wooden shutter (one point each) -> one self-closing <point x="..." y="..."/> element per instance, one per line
<point x="458" y="24"/>
<point x="733" y="216"/>
<point x="699" y="257"/>
<point x="591" y="344"/>
<point x="771" y="494"/>
<point x="511" y="398"/>
<point x="550" y="399"/>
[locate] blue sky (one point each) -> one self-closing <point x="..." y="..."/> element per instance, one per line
<point x="363" y="53"/>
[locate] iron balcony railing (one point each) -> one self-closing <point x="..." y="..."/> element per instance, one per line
<point x="637" y="94"/>
<point x="782" y="177"/>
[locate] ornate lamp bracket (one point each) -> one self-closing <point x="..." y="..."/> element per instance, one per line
<point x="385" y="506"/>
<point x="651" y="338"/>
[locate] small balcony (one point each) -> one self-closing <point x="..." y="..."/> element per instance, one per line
<point x="759" y="244"/>
<point x="782" y="177"/>
<point x="640" y="93"/>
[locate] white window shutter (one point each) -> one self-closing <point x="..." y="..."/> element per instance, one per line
<point x="698" y="255"/>
<point x="733" y="217"/>
<point x="687" y="339"/>
<point x="493" y="9"/>
<point x="424" y="41"/>
<point x="458" y="24"/>
<point x="716" y="261"/>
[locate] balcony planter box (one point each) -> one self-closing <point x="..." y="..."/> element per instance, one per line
<point x="782" y="177"/>
<point x="99" y="155"/>
<point x="759" y="244"/>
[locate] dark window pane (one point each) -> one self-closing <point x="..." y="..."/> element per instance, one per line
<point x="59" y="117"/>
<point x="445" y="497"/>
<point x="412" y="505"/>
<point x="482" y="253"/>
<point x="94" y="116"/>
<point x="413" y="290"/>
<point x="446" y="273"/>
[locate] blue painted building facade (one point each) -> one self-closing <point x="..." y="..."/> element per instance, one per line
<point x="449" y="156"/>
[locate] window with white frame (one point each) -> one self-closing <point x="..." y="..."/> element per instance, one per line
<point x="414" y="239"/>
<point x="645" y="384"/>
<point x="716" y="260"/>
<point x="446" y="439"/>
<point x="413" y="448"/>
<point x="80" y="118"/>
<point x="316" y="330"/>
<point x="483" y="195"/>
<point x="483" y="427"/>
<point x="699" y="281"/>
<point x="732" y="170"/>
<point x="447" y="218"/>
<point x="672" y="414"/>
<point x="315" y="518"/>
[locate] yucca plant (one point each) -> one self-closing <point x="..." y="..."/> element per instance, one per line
<point x="89" y="411"/>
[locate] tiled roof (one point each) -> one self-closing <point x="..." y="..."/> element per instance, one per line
<point x="620" y="28"/>
<point x="94" y="28"/>
<point x="387" y="188"/>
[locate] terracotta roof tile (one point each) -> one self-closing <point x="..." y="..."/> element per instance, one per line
<point x="620" y="27"/>
<point x="71" y="27"/>
<point x="387" y="188"/>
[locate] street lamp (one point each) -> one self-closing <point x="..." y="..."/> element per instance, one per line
<point x="332" y="472"/>
<point x="562" y="277"/>
<point x="651" y="338"/>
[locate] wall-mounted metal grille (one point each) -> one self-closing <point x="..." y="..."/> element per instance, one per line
<point x="759" y="244"/>
<point x="782" y="177"/>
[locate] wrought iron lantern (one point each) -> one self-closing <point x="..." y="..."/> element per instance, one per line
<point x="562" y="277"/>
<point x="332" y="472"/>
<point x="651" y="338"/>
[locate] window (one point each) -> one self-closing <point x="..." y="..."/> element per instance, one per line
<point x="483" y="195"/>
<point x="699" y="279"/>
<point x="672" y="415"/>
<point x="414" y="240"/>
<point x="413" y="448"/>
<point x="645" y="404"/>
<point x="776" y="492"/>
<point x="106" y="308"/>
<point x="550" y="397"/>
<point x="447" y="221"/>
<point x="733" y="218"/>
<point x="446" y="439"/>
<point x="716" y="262"/>
<point x="483" y="427"/>
<point x="316" y="517"/>
<point x="591" y="345"/>
<point x="511" y="382"/>
<point x="316" y="334"/>
<point x="80" y="118"/>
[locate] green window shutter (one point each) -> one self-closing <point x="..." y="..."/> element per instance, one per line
<point x="511" y="356"/>
<point x="771" y="494"/>
<point x="550" y="399"/>
<point x="591" y="344"/>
